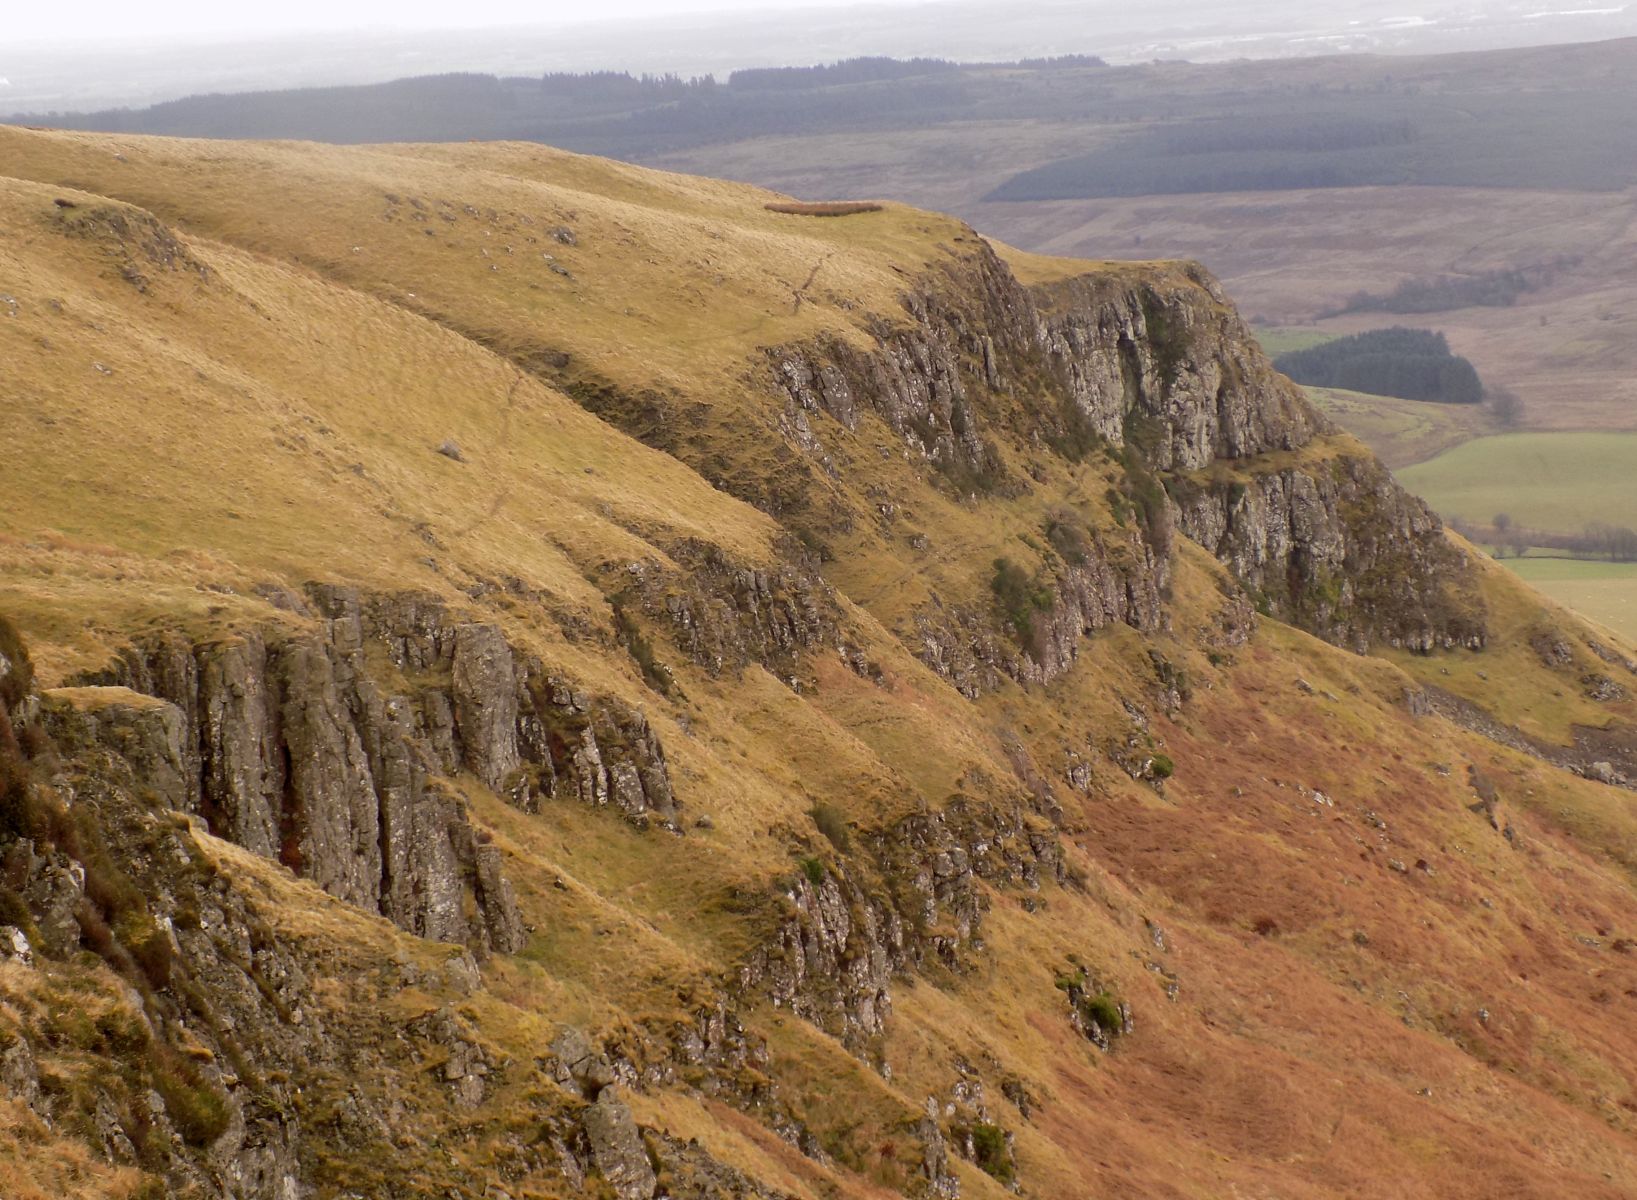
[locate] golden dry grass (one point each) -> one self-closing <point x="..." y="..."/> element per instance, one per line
<point x="277" y="419"/>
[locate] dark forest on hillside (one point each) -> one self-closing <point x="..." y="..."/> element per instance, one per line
<point x="1411" y="364"/>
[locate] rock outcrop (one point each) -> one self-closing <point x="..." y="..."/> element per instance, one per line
<point x="1119" y="578"/>
<point x="725" y="615"/>
<point x="328" y="745"/>
<point x="1341" y="549"/>
<point x="1157" y="369"/>
<point x="911" y="899"/>
<point x="617" y="1149"/>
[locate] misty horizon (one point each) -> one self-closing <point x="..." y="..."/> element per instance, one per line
<point x="133" y="65"/>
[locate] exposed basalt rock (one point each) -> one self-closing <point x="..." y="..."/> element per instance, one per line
<point x="617" y="1149"/>
<point x="1601" y="688"/>
<point x="1552" y="647"/>
<point x="1340" y="549"/>
<point x="1174" y="361"/>
<point x="1611" y="657"/>
<point x="974" y="1134"/>
<point x="1123" y="583"/>
<point x="940" y="1180"/>
<point x="137" y="241"/>
<point x="231" y="994"/>
<point x="288" y="742"/>
<point x="912" y="380"/>
<point x="233" y="1057"/>
<point x="256" y="1059"/>
<point x="692" y="1174"/>
<point x="713" y="1054"/>
<point x="914" y="902"/>
<point x="590" y="748"/>
<point x="300" y="757"/>
<point x="1607" y="755"/>
<point x="1093" y="1012"/>
<point x="1163" y="370"/>
<point x="467" y="1066"/>
<point x="483" y="686"/>
<point x="1081" y="359"/>
<point x="580" y="1065"/>
<point x="726" y="616"/>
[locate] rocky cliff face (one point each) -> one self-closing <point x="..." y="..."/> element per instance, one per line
<point x="670" y="834"/>
<point x="248" y="1063"/>
<point x="1159" y="372"/>
<point x="268" y="1062"/>
<point x="725" y="615"/>
<point x="327" y="746"/>
<point x="912" y="900"/>
<point x="1340" y="548"/>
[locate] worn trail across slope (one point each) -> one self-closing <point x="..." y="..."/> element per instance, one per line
<point x="696" y="821"/>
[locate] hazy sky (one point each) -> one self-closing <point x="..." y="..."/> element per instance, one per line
<point x="102" y="19"/>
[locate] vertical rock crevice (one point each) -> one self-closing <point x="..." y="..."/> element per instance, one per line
<point x="292" y="744"/>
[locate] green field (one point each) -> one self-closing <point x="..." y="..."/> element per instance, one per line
<point x="1283" y="339"/>
<point x="1551" y="481"/>
<point x="1605" y="592"/>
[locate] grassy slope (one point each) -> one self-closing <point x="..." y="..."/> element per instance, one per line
<point x="123" y="506"/>
<point x="1401" y="432"/>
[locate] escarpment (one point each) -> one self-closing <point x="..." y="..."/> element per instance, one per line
<point x="725" y="615"/>
<point x="645" y="802"/>
<point x="330" y="747"/>
<point x="1342" y="549"/>
<point x="215" y="980"/>
<point x="255" y="1048"/>
<point x="1158" y="373"/>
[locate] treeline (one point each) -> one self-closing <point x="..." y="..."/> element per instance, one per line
<point x="1615" y="543"/>
<point x="622" y="85"/>
<point x="1179" y="129"/>
<point x="731" y="114"/>
<point x="871" y="69"/>
<point x="1058" y="62"/>
<point x="1177" y="144"/>
<point x="602" y="112"/>
<point x="1412" y="364"/>
<point x="1146" y="166"/>
<point x="1485" y="289"/>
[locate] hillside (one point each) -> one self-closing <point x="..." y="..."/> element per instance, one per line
<point x="528" y="675"/>
<point x="1492" y="184"/>
<point x="1296" y="214"/>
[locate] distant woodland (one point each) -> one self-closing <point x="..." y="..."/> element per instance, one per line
<point x="610" y="113"/>
<point x="1484" y="289"/>
<point x="1412" y="364"/>
<point x="1165" y="129"/>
